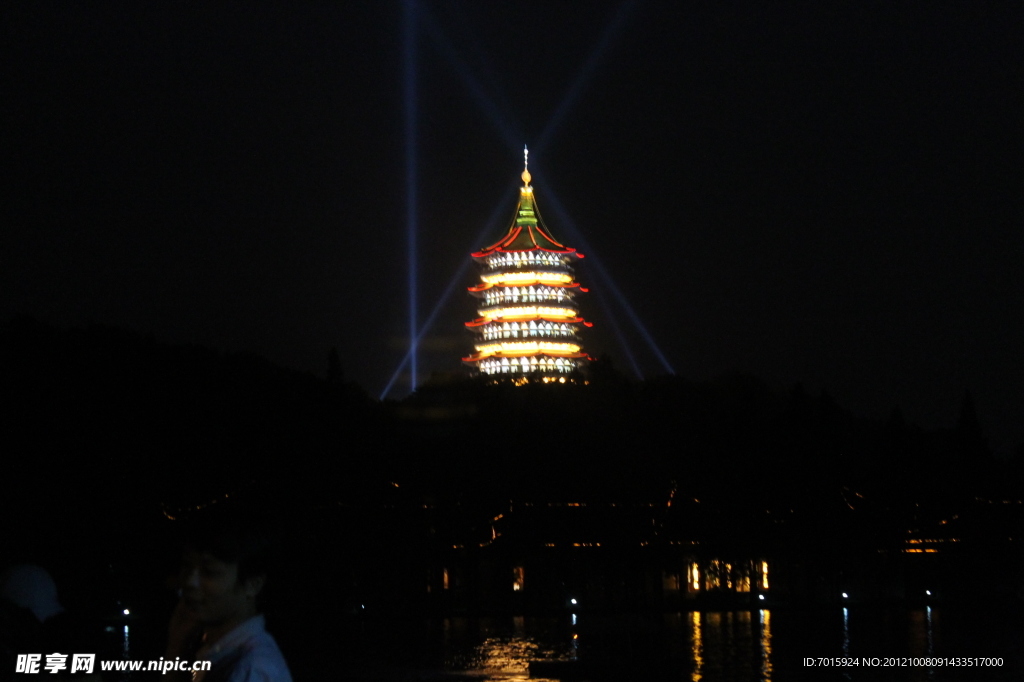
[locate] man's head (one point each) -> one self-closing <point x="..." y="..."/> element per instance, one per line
<point x="31" y="587"/>
<point x="224" y="566"/>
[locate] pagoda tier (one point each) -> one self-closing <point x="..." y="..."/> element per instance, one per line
<point x="529" y="321"/>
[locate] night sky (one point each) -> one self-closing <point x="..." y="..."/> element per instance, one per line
<point x="826" y="193"/>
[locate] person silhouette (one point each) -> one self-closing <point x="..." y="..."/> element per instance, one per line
<point x="224" y="568"/>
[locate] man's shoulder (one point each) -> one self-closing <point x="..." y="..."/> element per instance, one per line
<point x="260" y="661"/>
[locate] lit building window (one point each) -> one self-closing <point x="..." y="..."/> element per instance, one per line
<point x="743" y="577"/>
<point x="713" y="575"/>
<point x="518" y="579"/>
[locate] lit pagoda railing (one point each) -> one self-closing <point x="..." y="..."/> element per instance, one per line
<point x="531" y="294"/>
<point x="531" y="329"/>
<point x="526" y="259"/>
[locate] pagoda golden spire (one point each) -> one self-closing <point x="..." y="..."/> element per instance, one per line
<point x="526" y="169"/>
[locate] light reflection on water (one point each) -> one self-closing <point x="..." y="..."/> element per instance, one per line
<point x="846" y="631"/>
<point x="503" y="649"/>
<point x="726" y="644"/>
<point x="697" y="646"/>
<point x="922" y="640"/>
<point x="714" y="645"/>
<point x="710" y="646"/>
<point x="766" y="644"/>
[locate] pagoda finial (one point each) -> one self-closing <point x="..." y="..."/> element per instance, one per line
<point x="526" y="167"/>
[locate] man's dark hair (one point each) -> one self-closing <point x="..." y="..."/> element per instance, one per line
<point x="234" y="536"/>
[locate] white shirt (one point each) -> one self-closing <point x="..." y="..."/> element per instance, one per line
<point x="246" y="654"/>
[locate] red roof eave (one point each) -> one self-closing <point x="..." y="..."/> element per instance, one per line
<point x="479" y="322"/>
<point x="497" y="248"/>
<point x="548" y="237"/>
<point x="490" y="285"/>
<point x="504" y="241"/>
<point x="475" y="357"/>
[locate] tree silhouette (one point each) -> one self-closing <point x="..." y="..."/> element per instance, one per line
<point x="335" y="375"/>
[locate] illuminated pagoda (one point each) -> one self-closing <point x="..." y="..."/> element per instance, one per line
<point x="529" y="323"/>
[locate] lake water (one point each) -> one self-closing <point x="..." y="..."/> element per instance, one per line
<point x="711" y="646"/>
<point x="733" y="646"/>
